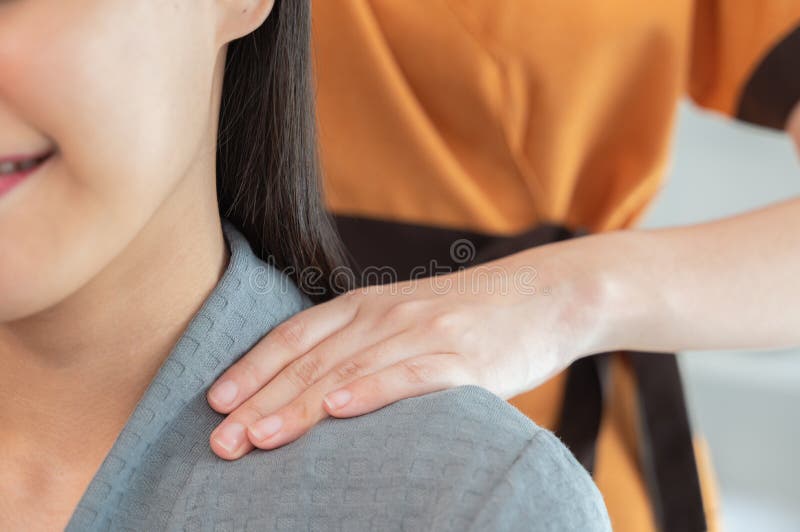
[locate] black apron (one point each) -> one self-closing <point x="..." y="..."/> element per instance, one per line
<point x="667" y="456"/>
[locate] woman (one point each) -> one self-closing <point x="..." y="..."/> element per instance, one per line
<point x="516" y="123"/>
<point x="157" y="175"/>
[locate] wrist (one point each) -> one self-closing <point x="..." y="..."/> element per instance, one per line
<point x="606" y="301"/>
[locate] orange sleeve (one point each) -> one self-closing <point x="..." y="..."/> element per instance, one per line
<point x="745" y="58"/>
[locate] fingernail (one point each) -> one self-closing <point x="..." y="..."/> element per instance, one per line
<point x="338" y="399"/>
<point x="264" y="428"/>
<point x="231" y="436"/>
<point x="224" y="393"/>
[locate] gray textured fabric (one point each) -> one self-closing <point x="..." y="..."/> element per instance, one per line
<point x="458" y="459"/>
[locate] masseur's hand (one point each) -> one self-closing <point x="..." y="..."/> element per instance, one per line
<point x="501" y="327"/>
<point x="507" y="326"/>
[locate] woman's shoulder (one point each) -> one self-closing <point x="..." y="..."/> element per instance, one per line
<point x="441" y="461"/>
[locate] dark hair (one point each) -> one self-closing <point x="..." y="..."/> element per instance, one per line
<point x="268" y="172"/>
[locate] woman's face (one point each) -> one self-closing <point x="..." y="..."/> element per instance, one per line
<point x="123" y="93"/>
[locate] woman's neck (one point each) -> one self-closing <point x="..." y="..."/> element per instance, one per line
<point x="72" y="375"/>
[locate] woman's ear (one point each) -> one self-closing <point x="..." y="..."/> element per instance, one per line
<point x="237" y="18"/>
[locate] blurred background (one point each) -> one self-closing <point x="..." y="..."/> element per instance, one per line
<point x="744" y="403"/>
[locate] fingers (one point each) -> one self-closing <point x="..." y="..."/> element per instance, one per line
<point x="279" y="386"/>
<point x="265" y="413"/>
<point x="288" y="398"/>
<point x="410" y="377"/>
<point x="229" y="440"/>
<point x="286" y="342"/>
<point x="300" y="410"/>
<point x="293" y="382"/>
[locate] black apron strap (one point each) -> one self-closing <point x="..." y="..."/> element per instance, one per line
<point x="582" y="407"/>
<point x="667" y="457"/>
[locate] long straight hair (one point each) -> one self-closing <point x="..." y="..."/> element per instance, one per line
<point x="268" y="172"/>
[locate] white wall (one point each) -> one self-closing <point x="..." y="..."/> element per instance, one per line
<point x="745" y="404"/>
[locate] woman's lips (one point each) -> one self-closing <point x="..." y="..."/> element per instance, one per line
<point x="15" y="168"/>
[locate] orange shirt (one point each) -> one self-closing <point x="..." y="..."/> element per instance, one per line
<point x="497" y="115"/>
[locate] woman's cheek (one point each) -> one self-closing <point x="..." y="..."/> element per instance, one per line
<point x="117" y="96"/>
<point x="55" y="229"/>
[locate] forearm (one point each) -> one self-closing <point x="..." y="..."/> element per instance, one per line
<point x="727" y="284"/>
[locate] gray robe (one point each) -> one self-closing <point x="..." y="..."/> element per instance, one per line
<point x="457" y="459"/>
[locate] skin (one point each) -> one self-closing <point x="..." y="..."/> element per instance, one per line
<point x="634" y="289"/>
<point x="127" y="93"/>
